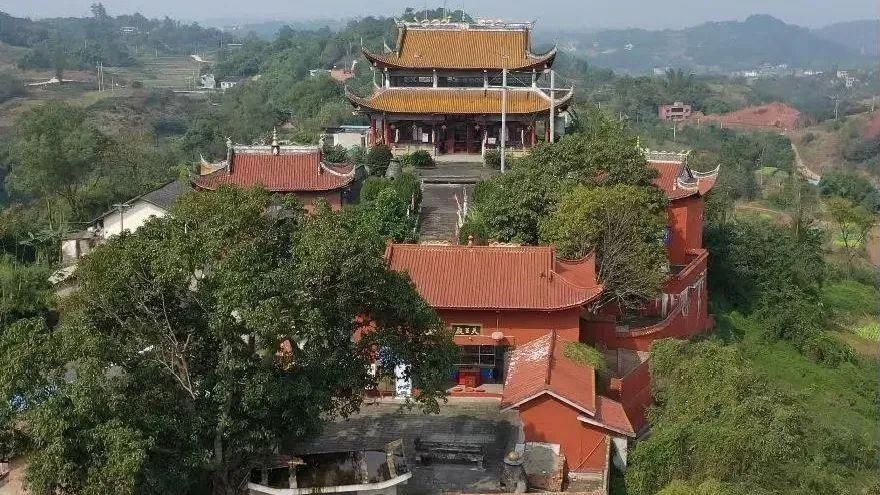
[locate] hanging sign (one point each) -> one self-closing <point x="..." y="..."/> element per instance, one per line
<point x="466" y="329"/>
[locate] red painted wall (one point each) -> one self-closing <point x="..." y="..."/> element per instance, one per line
<point x="546" y="419"/>
<point x="518" y="327"/>
<point x="634" y="392"/>
<point x="686" y="228"/>
<point x="308" y="199"/>
<point x="683" y="320"/>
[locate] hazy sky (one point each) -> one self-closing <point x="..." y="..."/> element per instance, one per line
<point x="566" y="13"/>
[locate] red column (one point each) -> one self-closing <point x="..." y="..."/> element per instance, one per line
<point x="372" y="132"/>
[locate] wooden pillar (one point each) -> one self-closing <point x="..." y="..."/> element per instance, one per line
<point x="372" y="131"/>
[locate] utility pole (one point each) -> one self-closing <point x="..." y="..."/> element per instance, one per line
<point x="121" y="207"/>
<point x="552" y="106"/>
<point x="504" y="115"/>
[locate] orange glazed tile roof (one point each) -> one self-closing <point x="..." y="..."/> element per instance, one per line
<point x="495" y="277"/>
<point x="678" y="181"/>
<point x="287" y="172"/>
<point x="462" y="48"/>
<point x="540" y="367"/>
<point x="456" y="101"/>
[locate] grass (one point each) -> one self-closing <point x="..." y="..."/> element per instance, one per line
<point x="869" y="331"/>
<point x="586" y="356"/>
<point x="843" y="397"/>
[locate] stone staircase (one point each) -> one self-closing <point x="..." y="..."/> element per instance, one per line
<point x="440" y="186"/>
<point x="438" y="215"/>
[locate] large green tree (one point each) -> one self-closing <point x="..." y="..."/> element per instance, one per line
<point x="54" y="149"/>
<point x="210" y="339"/>
<point x="624" y="225"/>
<point x="601" y="153"/>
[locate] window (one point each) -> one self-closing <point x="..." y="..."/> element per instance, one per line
<point x="478" y="355"/>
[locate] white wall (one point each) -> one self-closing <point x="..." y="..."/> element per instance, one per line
<point x="132" y="218"/>
<point x="348" y="139"/>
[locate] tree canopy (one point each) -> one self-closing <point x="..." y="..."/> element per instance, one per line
<point x="200" y="344"/>
<point x="624" y="225"/>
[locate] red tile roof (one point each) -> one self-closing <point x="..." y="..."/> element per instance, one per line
<point x="540" y="367"/>
<point x="287" y="172"/>
<point x="611" y="415"/>
<point x="495" y="277"/>
<point x="678" y="181"/>
<point x="462" y="48"/>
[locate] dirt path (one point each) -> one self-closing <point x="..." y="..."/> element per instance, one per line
<point x="812" y="177"/>
<point x="874" y="245"/>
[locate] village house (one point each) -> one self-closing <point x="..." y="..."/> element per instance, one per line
<point x="448" y="88"/>
<point x="675" y="112"/>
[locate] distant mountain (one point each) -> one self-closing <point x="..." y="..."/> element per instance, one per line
<point x="712" y="47"/>
<point x="862" y="36"/>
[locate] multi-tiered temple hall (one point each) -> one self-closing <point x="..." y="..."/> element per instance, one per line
<point x="446" y="87"/>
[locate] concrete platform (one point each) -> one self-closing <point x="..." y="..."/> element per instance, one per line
<point x="474" y="421"/>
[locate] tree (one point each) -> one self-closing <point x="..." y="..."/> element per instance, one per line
<point x="604" y="152"/>
<point x="54" y="150"/>
<point x="718" y="421"/>
<point x="852" y="187"/>
<point x="391" y="216"/>
<point x="513" y="204"/>
<point x="625" y="226"/>
<point x="750" y="257"/>
<point x="209" y="340"/>
<point x="378" y="159"/>
<point x="853" y="222"/>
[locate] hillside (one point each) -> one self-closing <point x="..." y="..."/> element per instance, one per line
<point x="862" y="36"/>
<point x="715" y="47"/>
<point x="847" y="144"/>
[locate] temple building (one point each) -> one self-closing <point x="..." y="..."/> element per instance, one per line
<point x="497" y="297"/>
<point x="448" y="88"/>
<point x="283" y="169"/>
<point x="515" y="310"/>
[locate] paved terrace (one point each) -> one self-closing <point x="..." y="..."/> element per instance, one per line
<point x="472" y="421"/>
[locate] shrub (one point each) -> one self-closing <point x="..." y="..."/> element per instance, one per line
<point x="137" y="84"/>
<point x="406" y="186"/>
<point x="586" y="355"/>
<point x="421" y="159"/>
<point x="373" y="186"/>
<point x="334" y="154"/>
<point x="10" y="86"/>
<point x="826" y="348"/>
<point x="378" y="159"/>
<point x="357" y="154"/>
<point x="476" y="228"/>
<point x="492" y="159"/>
